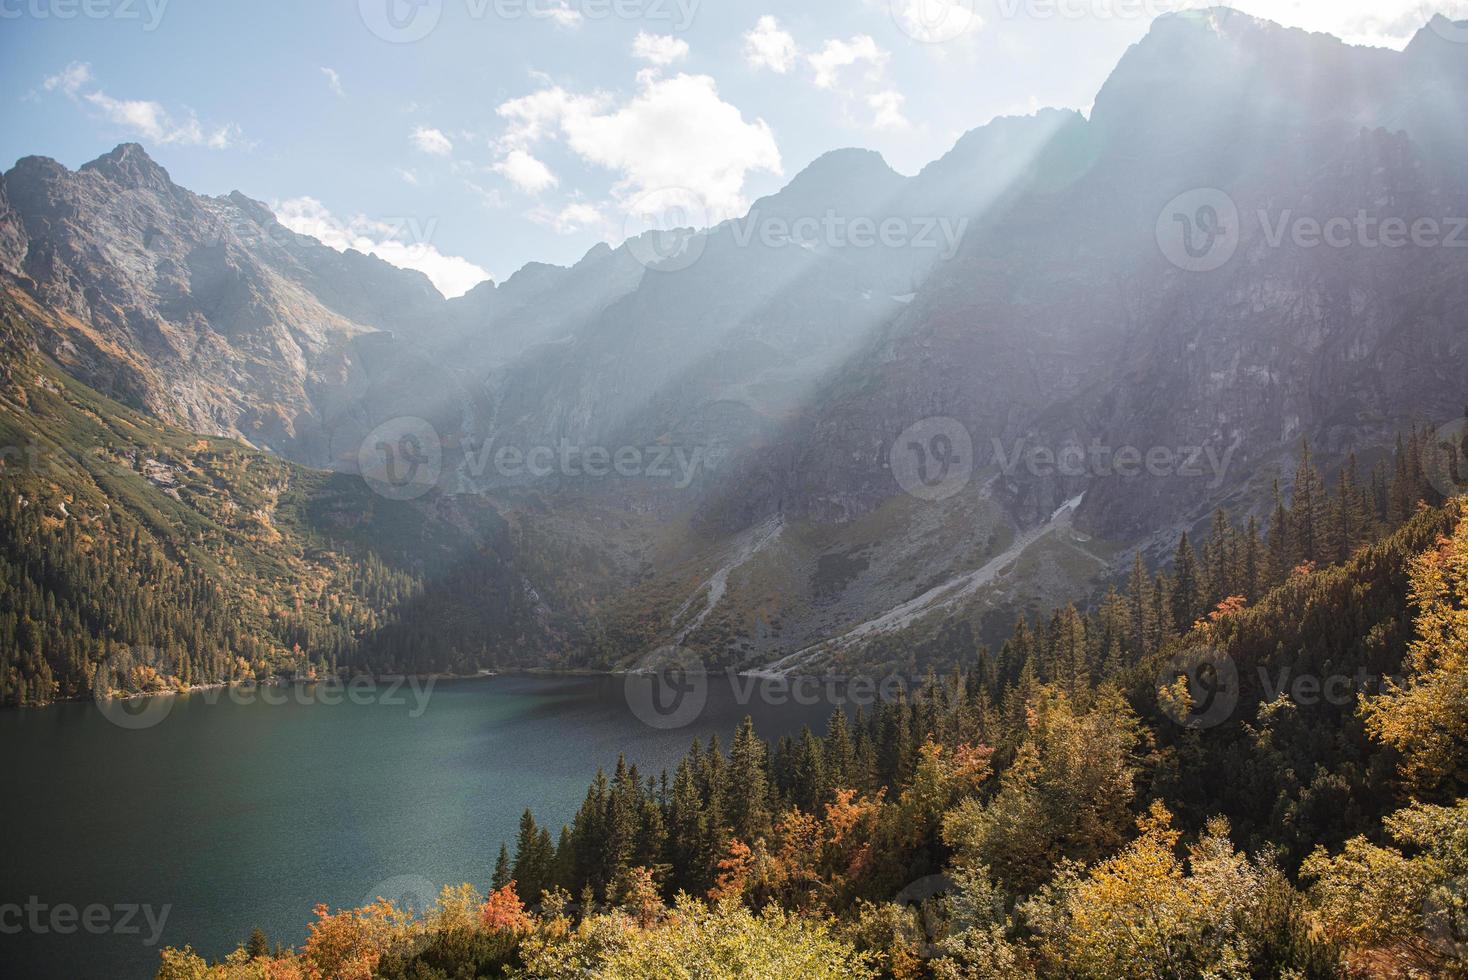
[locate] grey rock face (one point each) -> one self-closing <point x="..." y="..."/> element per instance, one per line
<point x="1066" y="290"/>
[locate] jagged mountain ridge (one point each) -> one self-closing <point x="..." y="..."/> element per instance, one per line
<point x="796" y="364"/>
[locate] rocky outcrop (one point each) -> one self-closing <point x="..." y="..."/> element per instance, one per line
<point x="1153" y="280"/>
<point x="205" y="311"/>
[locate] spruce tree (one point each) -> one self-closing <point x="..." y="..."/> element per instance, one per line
<point x="749" y="791"/>
<point x="502" y="871"/>
<point x="1187" y="589"/>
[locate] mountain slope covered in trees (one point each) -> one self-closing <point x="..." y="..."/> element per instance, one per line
<point x="1296" y="810"/>
<point x="169" y="560"/>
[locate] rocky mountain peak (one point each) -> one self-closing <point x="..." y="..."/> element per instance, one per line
<point x="130" y="165"/>
<point x="256" y="211"/>
<point x="841" y="179"/>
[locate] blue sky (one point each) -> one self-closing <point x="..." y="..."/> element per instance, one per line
<point x="467" y="137"/>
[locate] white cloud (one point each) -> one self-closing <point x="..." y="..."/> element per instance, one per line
<point x="151" y="121"/>
<point x="404" y="244"/>
<point x="1384" y="23"/>
<point x="857" y="70"/>
<point x="560" y="11"/>
<point x="526" y="172"/>
<point x="490" y="197"/>
<point x="675" y="133"/>
<point x="147" y="119"/>
<point x="407" y="176"/>
<point x="836" y="55"/>
<point x="661" y="138"/>
<point x="886" y="107"/>
<point x="538" y="115"/>
<point x="660" y="49"/>
<point x="333" y="80"/>
<point x="768" y="46"/>
<point x="70" y="79"/>
<point x="432" y="141"/>
<point x="574" y="217"/>
<point x="945" y="21"/>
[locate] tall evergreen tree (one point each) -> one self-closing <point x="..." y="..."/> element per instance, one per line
<point x="749" y="790"/>
<point x="1187" y="587"/>
<point x="503" y="874"/>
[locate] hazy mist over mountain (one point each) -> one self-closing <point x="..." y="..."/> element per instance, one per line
<point x="1082" y="436"/>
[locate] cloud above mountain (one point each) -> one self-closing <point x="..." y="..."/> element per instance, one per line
<point x="405" y="243"/>
<point x="141" y="117"/>
<point x="673" y="133"/>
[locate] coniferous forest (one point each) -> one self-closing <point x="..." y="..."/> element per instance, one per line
<point x="652" y="490"/>
<point x="1082" y="802"/>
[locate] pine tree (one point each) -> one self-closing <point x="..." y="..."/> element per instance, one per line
<point x="1187" y="589"/>
<point x="809" y="783"/>
<point x="748" y="802"/>
<point x="1139" y="603"/>
<point x="528" y="871"/>
<point x="1277" y="542"/>
<point x="503" y="875"/>
<point x="1219" y="558"/>
<point x="839" y="753"/>
<point x="1252" y="564"/>
<point x="1307" y="509"/>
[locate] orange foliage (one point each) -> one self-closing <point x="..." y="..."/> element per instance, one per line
<point x="347" y="945"/>
<point x="734" y="872"/>
<point x="640" y="896"/>
<point x="504" y="910"/>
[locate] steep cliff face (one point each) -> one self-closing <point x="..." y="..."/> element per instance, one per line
<point x="204" y="311"/>
<point x="1105" y="327"/>
<point x="1065" y="321"/>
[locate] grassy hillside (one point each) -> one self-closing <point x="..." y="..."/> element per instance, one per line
<point x="188" y="559"/>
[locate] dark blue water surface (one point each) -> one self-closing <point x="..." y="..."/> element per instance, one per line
<point x="234" y="811"/>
